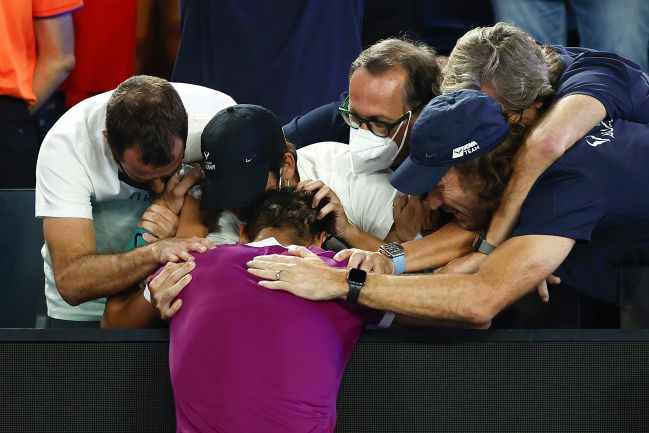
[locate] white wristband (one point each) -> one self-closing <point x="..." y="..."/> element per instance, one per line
<point x="147" y="293"/>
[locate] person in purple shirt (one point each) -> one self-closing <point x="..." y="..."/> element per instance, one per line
<point x="246" y="359"/>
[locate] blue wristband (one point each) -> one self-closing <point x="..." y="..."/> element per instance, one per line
<point x="399" y="264"/>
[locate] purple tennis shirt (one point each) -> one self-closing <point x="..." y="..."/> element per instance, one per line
<point x="246" y="359"/>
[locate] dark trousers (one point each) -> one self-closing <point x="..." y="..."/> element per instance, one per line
<point x="19" y="144"/>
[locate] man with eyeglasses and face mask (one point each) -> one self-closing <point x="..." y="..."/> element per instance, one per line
<point x="389" y="83"/>
<point x="97" y="169"/>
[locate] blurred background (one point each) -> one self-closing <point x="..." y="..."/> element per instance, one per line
<point x="294" y="55"/>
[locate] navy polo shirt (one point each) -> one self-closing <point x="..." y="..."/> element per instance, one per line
<point x="289" y="56"/>
<point x="598" y="195"/>
<point x="322" y="124"/>
<point x="619" y="84"/>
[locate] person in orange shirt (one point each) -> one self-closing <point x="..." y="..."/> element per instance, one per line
<point x="36" y="55"/>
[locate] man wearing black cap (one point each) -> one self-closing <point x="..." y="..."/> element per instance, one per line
<point x="245" y="153"/>
<point x="576" y="218"/>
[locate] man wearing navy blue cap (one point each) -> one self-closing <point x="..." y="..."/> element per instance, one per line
<point x="585" y="214"/>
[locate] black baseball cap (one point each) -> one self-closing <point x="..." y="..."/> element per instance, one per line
<point x="452" y="128"/>
<point x="239" y="145"/>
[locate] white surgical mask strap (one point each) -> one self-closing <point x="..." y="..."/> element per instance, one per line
<point x="403" y="139"/>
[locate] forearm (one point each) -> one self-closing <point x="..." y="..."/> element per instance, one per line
<point x="510" y="272"/>
<point x="97" y="275"/>
<point x="411" y="321"/>
<point x="438" y="248"/>
<point x="447" y="298"/>
<point x="129" y="311"/>
<point x="54" y="55"/>
<point x="48" y="76"/>
<point x="566" y="122"/>
<point x="356" y="238"/>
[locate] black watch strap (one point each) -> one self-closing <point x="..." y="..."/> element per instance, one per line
<point x="355" y="280"/>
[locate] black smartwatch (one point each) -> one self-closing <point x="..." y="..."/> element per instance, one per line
<point x="355" y="280"/>
<point x="481" y="245"/>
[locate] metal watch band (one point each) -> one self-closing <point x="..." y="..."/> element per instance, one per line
<point x="397" y="254"/>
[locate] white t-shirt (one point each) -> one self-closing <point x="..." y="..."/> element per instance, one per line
<point x="366" y="198"/>
<point x="76" y="177"/>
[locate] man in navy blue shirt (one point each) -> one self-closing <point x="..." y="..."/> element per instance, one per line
<point x="582" y="87"/>
<point x="584" y="215"/>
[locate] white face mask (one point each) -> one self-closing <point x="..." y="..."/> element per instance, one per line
<point x="370" y="153"/>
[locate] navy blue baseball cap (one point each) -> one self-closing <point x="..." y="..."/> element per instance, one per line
<point x="240" y="145"/>
<point x="452" y="128"/>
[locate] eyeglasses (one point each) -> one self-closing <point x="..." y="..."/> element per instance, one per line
<point x="377" y="127"/>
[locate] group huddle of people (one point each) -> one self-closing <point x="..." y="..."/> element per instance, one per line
<point x="269" y="248"/>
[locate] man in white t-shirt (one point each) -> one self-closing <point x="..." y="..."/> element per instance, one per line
<point x="97" y="169"/>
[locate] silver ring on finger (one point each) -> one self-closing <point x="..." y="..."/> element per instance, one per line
<point x="278" y="275"/>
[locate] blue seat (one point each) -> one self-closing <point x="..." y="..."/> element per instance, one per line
<point x="21" y="265"/>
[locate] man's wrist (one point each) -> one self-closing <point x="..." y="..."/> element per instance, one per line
<point x="349" y="233"/>
<point x="340" y="284"/>
<point x="481" y="245"/>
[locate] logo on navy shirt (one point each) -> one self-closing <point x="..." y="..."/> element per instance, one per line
<point x="605" y="135"/>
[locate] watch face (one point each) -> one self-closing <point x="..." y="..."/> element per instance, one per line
<point x="357" y="276"/>
<point x="391" y="250"/>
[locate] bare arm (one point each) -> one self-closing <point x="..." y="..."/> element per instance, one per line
<point x="191" y="223"/>
<point x="54" y="55"/>
<point x="511" y="271"/>
<point x="81" y="274"/>
<point x="433" y="251"/>
<point x="438" y="248"/>
<point x="131" y="310"/>
<point x="357" y="238"/>
<point x="566" y="122"/>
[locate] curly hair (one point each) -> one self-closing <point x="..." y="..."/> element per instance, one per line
<point x="288" y="209"/>
<point x="488" y="175"/>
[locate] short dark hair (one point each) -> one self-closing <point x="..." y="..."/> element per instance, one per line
<point x="288" y="209"/>
<point x="146" y="112"/>
<point x="418" y="59"/>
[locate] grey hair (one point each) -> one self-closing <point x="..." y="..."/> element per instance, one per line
<point x="416" y="58"/>
<point x="507" y="58"/>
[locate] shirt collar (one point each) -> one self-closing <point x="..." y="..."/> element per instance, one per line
<point x="268" y="242"/>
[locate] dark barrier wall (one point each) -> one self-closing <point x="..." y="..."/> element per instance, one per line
<point x="503" y="381"/>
